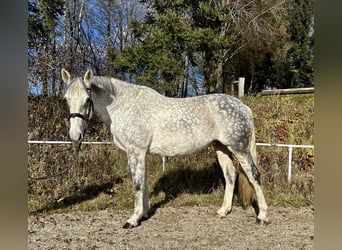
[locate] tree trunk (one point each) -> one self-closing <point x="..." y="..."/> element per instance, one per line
<point x="108" y="37"/>
<point x="219" y="78"/>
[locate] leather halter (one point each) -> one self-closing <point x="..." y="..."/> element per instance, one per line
<point x="84" y="117"/>
<point x="89" y="110"/>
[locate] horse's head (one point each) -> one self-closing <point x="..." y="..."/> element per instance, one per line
<point x="79" y="100"/>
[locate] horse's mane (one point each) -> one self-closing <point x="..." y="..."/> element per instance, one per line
<point x="105" y="85"/>
<point x="114" y="86"/>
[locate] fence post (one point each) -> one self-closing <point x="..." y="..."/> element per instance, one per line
<point x="290" y="164"/>
<point x="241" y="87"/>
<point x="163" y="164"/>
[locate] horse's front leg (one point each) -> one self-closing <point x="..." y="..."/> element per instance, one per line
<point x="136" y="162"/>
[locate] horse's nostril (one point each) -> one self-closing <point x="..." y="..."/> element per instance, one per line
<point x="80" y="138"/>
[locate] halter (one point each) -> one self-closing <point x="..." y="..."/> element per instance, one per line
<point x="84" y="117"/>
<point x="89" y="110"/>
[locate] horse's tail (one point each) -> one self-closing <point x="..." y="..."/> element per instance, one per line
<point x="246" y="192"/>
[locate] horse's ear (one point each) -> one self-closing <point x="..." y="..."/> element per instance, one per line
<point x="88" y="77"/>
<point x="65" y="76"/>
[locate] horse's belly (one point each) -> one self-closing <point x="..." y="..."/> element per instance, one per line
<point x="172" y="147"/>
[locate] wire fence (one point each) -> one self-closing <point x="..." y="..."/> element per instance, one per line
<point x="289" y="146"/>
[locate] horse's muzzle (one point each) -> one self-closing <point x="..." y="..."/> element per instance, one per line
<point x="77" y="140"/>
<point x="76" y="136"/>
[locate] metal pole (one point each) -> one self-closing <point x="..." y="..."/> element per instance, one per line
<point x="164" y="159"/>
<point x="69" y="142"/>
<point x="163" y="164"/>
<point x="290" y="164"/>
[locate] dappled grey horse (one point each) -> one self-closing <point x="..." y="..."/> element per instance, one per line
<point x="143" y="121"/>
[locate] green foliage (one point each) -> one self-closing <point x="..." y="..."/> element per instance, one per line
<point x="173" y="46"/>
<point x="168" y="37"/>
<point x="293" y="54"/>
<point x="42" y="20"/>
<point x="158" y="60"/>
<point x="268" y="43"/>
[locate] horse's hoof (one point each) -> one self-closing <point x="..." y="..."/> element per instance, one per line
<point x="219" y="216"/>
<point x="128" y="226"/>
<point x="261" y="222"/>
<point x="222" y="214"/>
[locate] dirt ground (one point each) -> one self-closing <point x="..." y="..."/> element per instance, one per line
<point x="174" y="228"/>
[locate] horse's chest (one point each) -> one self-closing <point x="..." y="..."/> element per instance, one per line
<point x="129" y="133"/>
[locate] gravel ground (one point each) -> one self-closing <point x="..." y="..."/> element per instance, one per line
<point x="174" y="228"/>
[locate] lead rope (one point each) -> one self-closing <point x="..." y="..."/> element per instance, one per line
<point x="63" y="172"/>
<point x="49" y="176"/>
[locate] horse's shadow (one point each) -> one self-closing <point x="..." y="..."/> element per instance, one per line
<point x="192" y="181"/>
<point x="187" y="180"/>
<point x="173" y="183"/>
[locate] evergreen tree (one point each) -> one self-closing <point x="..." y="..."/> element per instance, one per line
<point x="159" y="58"/>
<point x="178" y="37"/>
<point x="292" y="60"/>
<point x="42" y="22"/>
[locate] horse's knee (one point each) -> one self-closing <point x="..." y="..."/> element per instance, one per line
<point x="137" y="183"/>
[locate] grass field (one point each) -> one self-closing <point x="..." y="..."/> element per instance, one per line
<point x="98" y="176"/>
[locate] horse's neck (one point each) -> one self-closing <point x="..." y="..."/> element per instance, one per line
<point x="101" y="110"/>
<point x="107" y="103"/>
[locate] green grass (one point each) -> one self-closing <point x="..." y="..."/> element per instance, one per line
<point x="99" y="177"/>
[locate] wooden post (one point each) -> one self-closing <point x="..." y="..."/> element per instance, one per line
<point x="241" y="86"/>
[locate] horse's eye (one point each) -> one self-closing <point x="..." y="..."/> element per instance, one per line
<point x="88" y="100"/>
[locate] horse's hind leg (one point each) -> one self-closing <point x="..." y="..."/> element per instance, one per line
<point x="229" y="173"/>
<point x="253" y="175"/>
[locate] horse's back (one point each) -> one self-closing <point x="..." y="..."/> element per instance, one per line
<point x="185" y="125"/>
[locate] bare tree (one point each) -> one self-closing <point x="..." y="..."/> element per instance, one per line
<point x="253" y="24"/>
